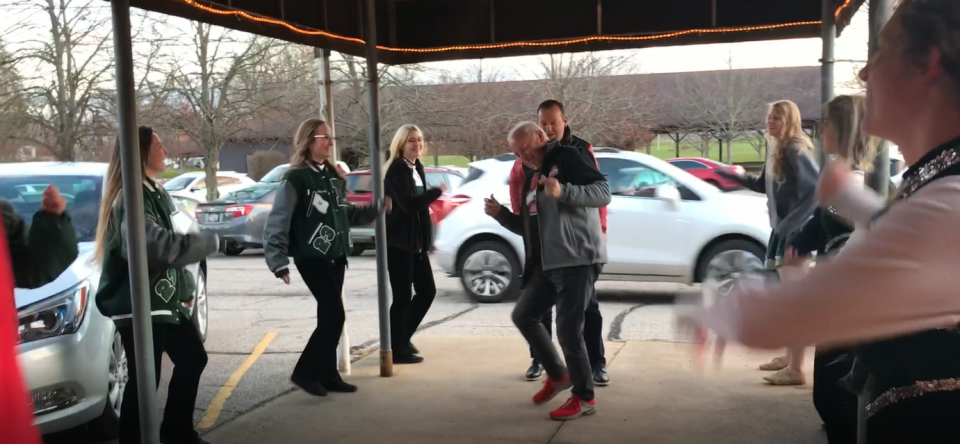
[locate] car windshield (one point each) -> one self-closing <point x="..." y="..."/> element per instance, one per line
<point x="250" y="194"/>
<point x="274" y="175"/>
<point x="179" y="183"/>
<point x="82" y="193"/>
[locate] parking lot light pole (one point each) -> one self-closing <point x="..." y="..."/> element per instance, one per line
<point x="828" y="29"/>
<point x="376" y="166"/>
<point x="133" y="207"/>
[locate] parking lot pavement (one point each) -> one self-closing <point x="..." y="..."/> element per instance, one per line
<point x="249" y="306"/>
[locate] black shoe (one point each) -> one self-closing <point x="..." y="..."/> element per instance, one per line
<point x="190" y="438"/>
<point x="413" y="349"/>
<point x="600" y="376"/>
<point x="407" y="358"/>
<point x="535" y="372"/>
<point x="312" y="387"/>
<point x="340" y="386"/>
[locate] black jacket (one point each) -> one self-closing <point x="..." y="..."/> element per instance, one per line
<point x="41" y="251"/>
<point x="408" y="226"/>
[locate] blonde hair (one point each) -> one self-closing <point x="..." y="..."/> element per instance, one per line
<point x="302" y="140"/>
<point x="399" y="139"/>
<point x="113" y="191"/>
<point x="845" y="115"/>
<point x="792" y="134"/>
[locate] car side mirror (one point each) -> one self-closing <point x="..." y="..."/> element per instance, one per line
<point x="670" y="194"/>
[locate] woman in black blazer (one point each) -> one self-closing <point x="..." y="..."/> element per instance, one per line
<point x="409" y="238"/>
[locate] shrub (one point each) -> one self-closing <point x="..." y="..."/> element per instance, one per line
<point x="261" y="162"/>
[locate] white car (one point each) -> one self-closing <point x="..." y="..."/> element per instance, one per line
<point x="72" y="356"/>
<point x="276" y="174"/>
<point x="663" y="225"/>
<point x="194" y="184"/>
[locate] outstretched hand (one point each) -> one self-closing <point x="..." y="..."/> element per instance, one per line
<point x="387" y="204"/>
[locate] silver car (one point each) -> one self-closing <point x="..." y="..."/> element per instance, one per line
<point x="238" y="218"/>
<point x="71" y="354"/>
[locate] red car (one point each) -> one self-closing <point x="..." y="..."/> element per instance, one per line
<point x="706" y="170"/>
<point x="360" y="190"/>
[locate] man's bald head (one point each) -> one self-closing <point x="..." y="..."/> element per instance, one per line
<point x="527" y="141"/>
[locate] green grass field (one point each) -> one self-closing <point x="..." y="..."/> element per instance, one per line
<point x="742" y="152"/>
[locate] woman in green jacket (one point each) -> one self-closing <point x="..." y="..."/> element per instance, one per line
<point x="310" y="221"/>
<point x="170" y="287"/>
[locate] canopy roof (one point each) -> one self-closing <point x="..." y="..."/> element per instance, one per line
<point x="414" y="31"/>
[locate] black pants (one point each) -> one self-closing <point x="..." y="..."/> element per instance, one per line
<point x="408" y="309"/>
<point x="927" y="419"/>
<point x="569" y="288"/>
<point x="836" y="405"/>
<point x="324" y="278"/>
<point x="592" y="331"/>
<point x="182" y="344"/>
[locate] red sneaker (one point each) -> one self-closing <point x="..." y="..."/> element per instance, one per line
<point x="574" y="408"/>
<point x="552" y="388"/>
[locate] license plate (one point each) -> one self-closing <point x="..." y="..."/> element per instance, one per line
<point x="213" y="218"/>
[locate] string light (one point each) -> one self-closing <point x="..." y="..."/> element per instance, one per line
<point x="542" y="44"/>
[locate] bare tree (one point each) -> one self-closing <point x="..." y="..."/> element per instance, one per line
<point x="601" y="103"/>
<point x="12" y="107"/>
<point x="724" y="105"/>
<point x="212" y="103"/>
<point x="403" y="99"/>
<point x="68" y="56"/>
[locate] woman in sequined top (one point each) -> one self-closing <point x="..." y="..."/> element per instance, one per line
<point x="895" y="292"/>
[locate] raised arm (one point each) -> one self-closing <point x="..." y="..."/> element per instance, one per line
<point x="41" y="253"/>
<point x="167" y="249"/>
<point x="900" y="279"/>
<point x="276" y="231"/>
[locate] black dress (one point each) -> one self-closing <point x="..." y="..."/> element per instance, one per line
<point x="825" y="233"/>
<point x="913" y="382"/>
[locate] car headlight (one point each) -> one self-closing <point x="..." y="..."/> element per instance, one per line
<point x="59" y="315"/>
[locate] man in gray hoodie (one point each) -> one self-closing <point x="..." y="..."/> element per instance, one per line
<point x="561" y="228"/>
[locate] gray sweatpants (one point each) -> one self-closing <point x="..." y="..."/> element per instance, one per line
<point x="570" y="289"/>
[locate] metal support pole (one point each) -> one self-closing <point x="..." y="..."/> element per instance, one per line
<point x="326" y="113"/>
<point x="376" y="165"/>
<point x="131" y="171"/>
<point x="828" y="30"/>
<point x="879" y="178"/>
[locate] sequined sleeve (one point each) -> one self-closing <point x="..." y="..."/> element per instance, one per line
<point x="900" y="279"/>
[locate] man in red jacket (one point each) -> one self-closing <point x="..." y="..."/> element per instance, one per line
<point x="554" y="122"/>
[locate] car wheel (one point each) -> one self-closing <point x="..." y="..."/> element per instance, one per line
<point x="201" y="307"/>
<point x="729" y="260"/>
<point x="233" y="250"/>
<point x="490" y="271"/>
<point x="108" y="424"/>
<point x="357" y="250"/>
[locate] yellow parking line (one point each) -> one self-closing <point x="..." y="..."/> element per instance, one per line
<point x="216" y="405"/>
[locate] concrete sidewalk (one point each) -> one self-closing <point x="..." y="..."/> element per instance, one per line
<point x="470" y="390"/>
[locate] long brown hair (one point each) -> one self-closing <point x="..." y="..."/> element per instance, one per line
<point x="113" y="191"/>
<point x="845" y="116"/>
<point x="792" y="134"/>
<point x="302" y="140"/>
